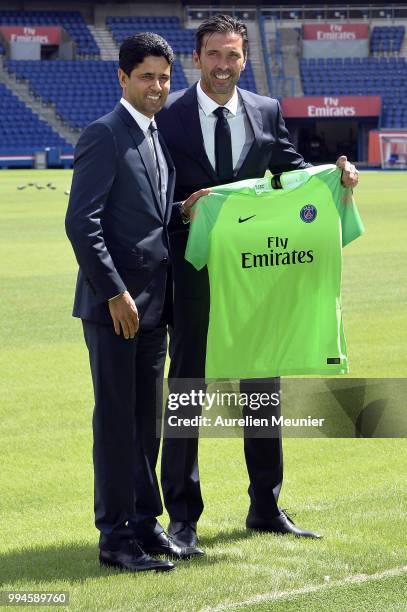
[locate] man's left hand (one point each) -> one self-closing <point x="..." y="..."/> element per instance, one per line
<point x="350" y="176"/>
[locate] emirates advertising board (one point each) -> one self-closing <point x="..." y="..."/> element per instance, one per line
<point x="32" y="34"/>
<point x="335" y="40"/>
<point x="331" y="107"/>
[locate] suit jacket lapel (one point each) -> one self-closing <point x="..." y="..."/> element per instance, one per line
<point x="193" y="132"/>
<point x="145" y="154"/>
<point x="256" y="122"/>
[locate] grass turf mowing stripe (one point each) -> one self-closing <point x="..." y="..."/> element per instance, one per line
<point x="307" y="590"/>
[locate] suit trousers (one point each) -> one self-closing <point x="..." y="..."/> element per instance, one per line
<point x="127" y="380"/>
<point x="179" y="468"/>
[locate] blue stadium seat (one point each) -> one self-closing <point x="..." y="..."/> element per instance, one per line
<point x="81" y="91"/>
<point x="181" y="40"/>
<point x="387" y="39"/>
<point x="247" y="80"/>
<point x="26" y="129"/>
<point x="386" y="77"/>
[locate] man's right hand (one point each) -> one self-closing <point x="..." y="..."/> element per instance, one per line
<point x="124" y="313"/>
<point x="186" y="206"/>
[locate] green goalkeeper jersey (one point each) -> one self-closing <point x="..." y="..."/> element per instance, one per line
<point x="274" y="259"/>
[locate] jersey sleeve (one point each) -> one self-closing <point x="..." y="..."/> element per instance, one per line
<point x="352" y="226"/>
<point x="204" y="215"/>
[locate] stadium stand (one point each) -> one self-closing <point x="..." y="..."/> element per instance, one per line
<point x="387" y="39"/>
<point x="71" y="21"/>
<point x="81" y="91"/>
<point x="25" y="129"/>
<point x="84" y="90"/>
<point x="182" y="40"/>
<point x="368" y="76"/>
<point x="247" y="80"/>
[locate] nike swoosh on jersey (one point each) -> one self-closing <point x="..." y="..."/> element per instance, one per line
<point x="246" y="219"/>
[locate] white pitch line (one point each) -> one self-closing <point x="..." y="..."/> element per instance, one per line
<point x="275" y="596"/>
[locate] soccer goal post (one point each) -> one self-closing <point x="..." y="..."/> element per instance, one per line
<point x="393" y="150"/>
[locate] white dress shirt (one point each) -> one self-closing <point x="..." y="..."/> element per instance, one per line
<point x="240" y="128"/>
<point x="143" y="122"/>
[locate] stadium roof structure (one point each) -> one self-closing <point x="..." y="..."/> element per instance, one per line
<point x="220" y="6"/>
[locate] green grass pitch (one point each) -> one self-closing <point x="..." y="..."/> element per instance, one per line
<point x="353" y="491"/>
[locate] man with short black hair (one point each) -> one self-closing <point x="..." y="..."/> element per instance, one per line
<point x="218" y="133"/>
<point x="117" y="220"/>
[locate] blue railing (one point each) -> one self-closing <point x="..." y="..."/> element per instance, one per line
<point x="266" y="56"/>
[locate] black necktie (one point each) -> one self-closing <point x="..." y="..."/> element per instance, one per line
<point x="223" y="146"/>
<point x="160" y="161"/>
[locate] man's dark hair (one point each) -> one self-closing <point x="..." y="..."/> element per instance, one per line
<point x="221" y="24"/>
<point x="136" y="48"/>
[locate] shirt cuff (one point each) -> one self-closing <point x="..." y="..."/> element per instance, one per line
<point x="115" y="296"/>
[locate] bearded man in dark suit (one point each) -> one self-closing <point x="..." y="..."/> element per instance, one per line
<point x="218" y="133"/>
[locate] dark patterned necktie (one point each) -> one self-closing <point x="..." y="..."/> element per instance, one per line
<point x="223" y="146"/>
<point x="159" y="161"/>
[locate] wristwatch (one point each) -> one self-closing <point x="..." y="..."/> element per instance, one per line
<point x="184" y="216"/>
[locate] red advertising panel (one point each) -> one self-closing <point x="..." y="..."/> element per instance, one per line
<point x="331" y="107"/>
<point x="42" y="35"/>
<point x="337" y="31"/>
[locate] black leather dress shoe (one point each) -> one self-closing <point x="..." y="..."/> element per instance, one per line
<point x="133" y="559"/>
<point x="184" y="534"/>
<point x="163" y="544"/>
<point x="281" y="524"/>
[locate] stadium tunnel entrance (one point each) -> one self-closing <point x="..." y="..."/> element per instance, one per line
<point x="323" y="141"/>
<point x="322" y="128"/>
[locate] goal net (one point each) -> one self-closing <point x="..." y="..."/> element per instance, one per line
<point x="393" y="150"/>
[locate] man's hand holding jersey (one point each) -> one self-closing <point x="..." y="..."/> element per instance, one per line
<point x="350" y="176"/>
<point x="186" y="206"/>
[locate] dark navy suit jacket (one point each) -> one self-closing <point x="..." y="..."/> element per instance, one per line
<point x="180" y="126"/>
<point x="115" y="221"/>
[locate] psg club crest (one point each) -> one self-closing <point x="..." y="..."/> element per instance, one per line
<point x="308" y="213"/>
